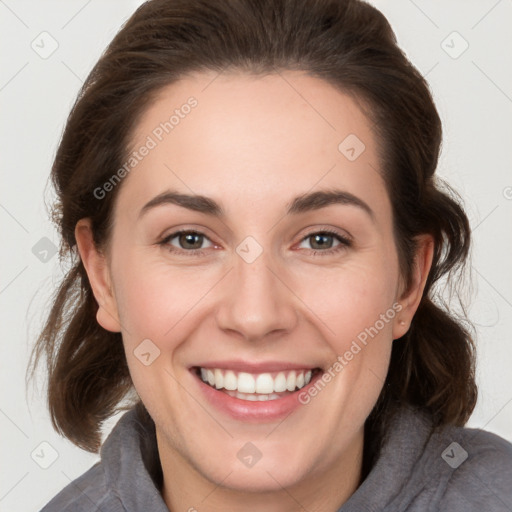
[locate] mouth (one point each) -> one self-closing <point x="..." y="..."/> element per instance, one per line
<point x="256" y="387"/>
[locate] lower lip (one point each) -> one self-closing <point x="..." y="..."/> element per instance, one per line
<point x="245" y="410"/>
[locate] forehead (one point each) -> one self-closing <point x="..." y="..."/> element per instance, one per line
<point x="257" y="140"/>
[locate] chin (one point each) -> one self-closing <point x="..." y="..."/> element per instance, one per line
<point x="259" y="480"/>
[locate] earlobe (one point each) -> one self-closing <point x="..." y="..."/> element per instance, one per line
<point x="98" y="273"/>
<point x="412" y="297"/>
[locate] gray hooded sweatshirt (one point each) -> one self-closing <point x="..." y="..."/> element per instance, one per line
<point x="418" y="469"/>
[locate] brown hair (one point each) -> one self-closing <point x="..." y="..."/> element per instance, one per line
<point x="347" y="43"/>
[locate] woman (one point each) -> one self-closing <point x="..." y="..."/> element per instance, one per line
<point x="292" y="357"/>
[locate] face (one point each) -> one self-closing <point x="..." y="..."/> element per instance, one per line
<point x="283" y="286"/>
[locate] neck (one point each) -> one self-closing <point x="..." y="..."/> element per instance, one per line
<point x="187" y="489"/>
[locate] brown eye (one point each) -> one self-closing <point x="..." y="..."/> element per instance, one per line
<point x="190" y="240"/>
<point x="321" y="241"/>
<point x="185" y="241"/>
<point x="326" y="242"/>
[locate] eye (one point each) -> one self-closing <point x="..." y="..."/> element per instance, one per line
<point x="187" y="241"/>
<point x="325" y="242"/>
<point x="191" y="242"/>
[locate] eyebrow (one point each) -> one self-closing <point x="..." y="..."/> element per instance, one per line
<point x="301" y="204"/>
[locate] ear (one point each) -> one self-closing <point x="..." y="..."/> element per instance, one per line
<point x="95" y="264"/>
<point x="412" y="297"/>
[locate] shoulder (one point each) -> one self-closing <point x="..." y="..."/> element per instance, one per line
<point x="121" y="480"/>
<point x="478" y="466"/>
<point x="87" y="493"/>
<point x="457" y="469"/>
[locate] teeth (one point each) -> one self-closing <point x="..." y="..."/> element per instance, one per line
<point x="230" y="381"/>
<point x="280" y="383"/>
<point x="246" y="383"/>
<point x="290" y="381"/>
<point x="253" y="397"/>
<point x="219" y="379"/>
<point x="264" y="384"/>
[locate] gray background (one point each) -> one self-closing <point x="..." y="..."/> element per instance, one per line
<point x="473" y="91"/>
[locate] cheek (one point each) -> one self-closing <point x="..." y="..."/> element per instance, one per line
<point x="156" y="300"/>
<point x="351" y="298"/>
<point x="360" y="315"/>
<point x="354" y="307"/>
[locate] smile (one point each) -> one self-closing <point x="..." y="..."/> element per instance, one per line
<point x="256" y="386"/>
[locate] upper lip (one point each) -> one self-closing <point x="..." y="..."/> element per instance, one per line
<point x="255" y="367"/>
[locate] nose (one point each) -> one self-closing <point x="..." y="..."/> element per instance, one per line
<point x="257" y="301"/>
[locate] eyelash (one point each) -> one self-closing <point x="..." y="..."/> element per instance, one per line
<point x="345" y="242"/>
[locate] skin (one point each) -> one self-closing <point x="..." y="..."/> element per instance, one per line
<point x="253" y="144"/>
